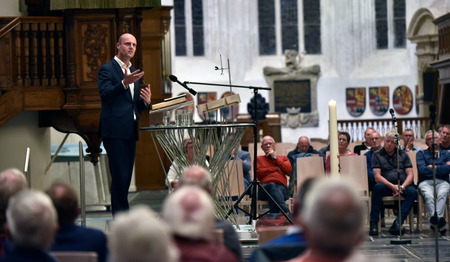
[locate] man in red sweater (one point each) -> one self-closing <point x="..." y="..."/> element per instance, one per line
<point x="272" y="171"/>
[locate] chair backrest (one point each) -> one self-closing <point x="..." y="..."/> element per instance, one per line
<point x="75" y="256"/>
<point x="269" y="233"/>
<point x="355" y="169"/>
<point x="232" y="184"/>
<point x="309" y="167"/>
<point x="412" y="157"/>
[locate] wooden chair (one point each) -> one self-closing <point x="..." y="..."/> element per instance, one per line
<point x="235" y="186"/>
<point x="268" y="233"/>
<point x="354" y="168"/>
<point x="75" y="256"/>
<point x="309" y="167"/>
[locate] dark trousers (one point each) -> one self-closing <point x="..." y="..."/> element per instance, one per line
<point x="121" y="154"/>
<point x="279" y="193"/>
<point x="380" y="190"/>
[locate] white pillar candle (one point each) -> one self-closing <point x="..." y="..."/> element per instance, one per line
<point x="334" y="161"/>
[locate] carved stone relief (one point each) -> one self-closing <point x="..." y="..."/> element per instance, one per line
<point x="294" y="91"/>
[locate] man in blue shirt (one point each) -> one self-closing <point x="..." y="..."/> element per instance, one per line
<point x="426" y="184"/>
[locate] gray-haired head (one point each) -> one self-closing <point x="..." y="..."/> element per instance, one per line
<point x="332" y="216"/>
<point x="139" y="236"/>
<point x="32" y="219"/>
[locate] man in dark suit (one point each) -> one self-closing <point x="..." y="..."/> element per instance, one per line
<point x="71" y="237"/>
<point x="118" y="84"/>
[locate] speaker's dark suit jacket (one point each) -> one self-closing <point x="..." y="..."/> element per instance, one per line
<point x="119" y="129"/>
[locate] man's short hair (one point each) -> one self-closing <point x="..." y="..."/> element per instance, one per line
<point x="189" y="211"/>
<point x="12" y="180"/>
<point x="139" y="236"/>
<point x="206" y="179"/>
<point x="32" y="219"/>
<point x="391" y="133"/>
<point x="65" y="200"/>
<point x="369" y="128"/>
<point x="333" y="215"/>
<point x="436" y="134"/>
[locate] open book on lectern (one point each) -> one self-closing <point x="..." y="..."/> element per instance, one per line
<point x="168" y="102"/>
<point x="219" y="103"/>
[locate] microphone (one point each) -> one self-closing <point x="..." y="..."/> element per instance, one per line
<point x="175" y="79"/>
<point x="391" y="111"/>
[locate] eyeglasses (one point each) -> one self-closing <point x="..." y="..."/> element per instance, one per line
<point x="375" y="138"/>
<point x="408" y="135"/>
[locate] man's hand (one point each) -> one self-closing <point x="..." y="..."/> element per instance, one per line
<point x="133" y="77"/>
<point x="270" y="152"/>
<point x="146" y="94"/>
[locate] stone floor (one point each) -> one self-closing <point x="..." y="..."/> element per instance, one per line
<point x="422" y="247"/>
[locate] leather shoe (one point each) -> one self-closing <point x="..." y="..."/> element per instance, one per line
<point x="395" y="228"/>
<point x="373" y="229"/>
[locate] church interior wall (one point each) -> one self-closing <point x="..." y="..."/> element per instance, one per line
<point x="349" y="58"/>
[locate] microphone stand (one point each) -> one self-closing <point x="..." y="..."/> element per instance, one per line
<point x="398" y="241"/>
<point x="433" y="166"/>
<point x="254" y="184"/>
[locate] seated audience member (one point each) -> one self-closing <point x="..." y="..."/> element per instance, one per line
<point x="323" y="153"/>
<point x="32" y="225"/>
<point x="384" y="165"/>
<point x="139" y="236"/>
<point x="343" y="142"/>
<point x="376" y="145"/>
<point x="71" y="237"/>
<point x="445" y="137"/>
<point x="303" y="149"/>
<point x="332" y="221"/>
<point x="365" y="145"/>
<point x="272" y="172"/>
<point x="408" y="141"/>
<point x="246" y="159"/>
<point x="426" y="184"/>
<point x="175" y="170"/>
<point x="199" y="176"/>
<point x="189" y="212"/>
<point x="11" y="182"/>
<point x="294" y="237"/>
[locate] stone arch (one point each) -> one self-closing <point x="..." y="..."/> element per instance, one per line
<point x="424" y="33"/>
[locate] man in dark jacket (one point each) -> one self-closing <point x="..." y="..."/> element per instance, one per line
<point x="303" y="149"/>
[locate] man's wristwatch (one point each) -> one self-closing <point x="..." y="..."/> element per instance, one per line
<point x="402" y="187"/>
<point x="275" y="157"/>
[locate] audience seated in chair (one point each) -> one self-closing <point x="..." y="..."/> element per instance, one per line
<point x="139" y="236"/>
<point x="408" y="141"/>
<point x="11" y="182"/>
<point x="199" y="176"/>
<point x="384" y="165"/>
<point x="303" y="149"/>
<point x="367" y="144"/>
<point x="343" y="142"/>
<point x="426" y="184"/>
<point x="189" y="212"/>
<point x="293" y="240"/>
<point x="445" y="137"/>
<point x="332" y="221"/>
<point x="272" y="172"/>
<point x="32" y="225"/>
<point x="71" y="237"/>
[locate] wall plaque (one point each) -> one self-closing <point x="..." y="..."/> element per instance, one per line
<point x="292" y="93"/>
